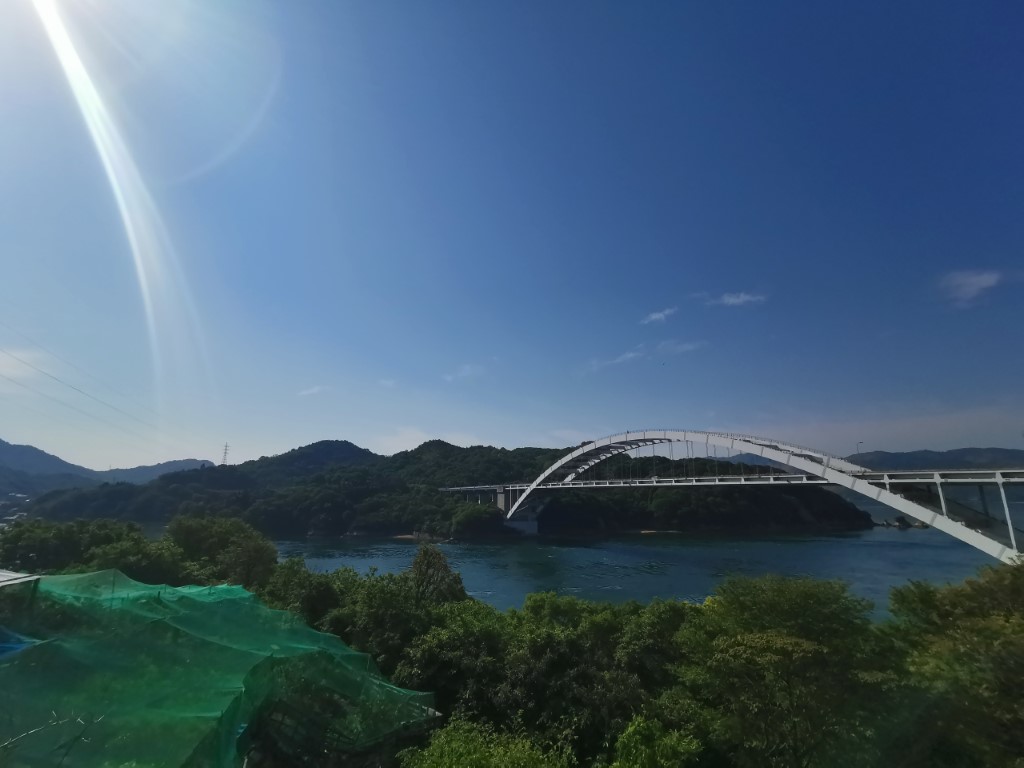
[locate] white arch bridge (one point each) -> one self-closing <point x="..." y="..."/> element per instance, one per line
<point x="920" y="495"/>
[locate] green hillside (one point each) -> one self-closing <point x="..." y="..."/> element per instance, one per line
<point x="335" y="488"/>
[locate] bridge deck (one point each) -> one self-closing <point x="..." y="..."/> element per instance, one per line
<point x="955" y="476"/>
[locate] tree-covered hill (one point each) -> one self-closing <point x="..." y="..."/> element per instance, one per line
<point x="17" y="481"/>
<point x="305" y="462"/>
<point x="32" y="460"/>
<point x="442" y="464"/>
<point x="335" y="487"/>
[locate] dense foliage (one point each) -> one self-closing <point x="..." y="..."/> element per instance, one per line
<point x="193" y="550"/>
<point x="335" y="488"/>
<point x="767" y="672"/>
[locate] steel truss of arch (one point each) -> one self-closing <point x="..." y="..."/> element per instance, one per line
<point x="830" y="468"/>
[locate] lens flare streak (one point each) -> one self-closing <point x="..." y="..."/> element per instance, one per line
<point x="162" y="288"/>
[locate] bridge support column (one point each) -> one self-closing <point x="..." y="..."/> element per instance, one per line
<point x="942" y="497"/>
<point x="1006" y="510"/>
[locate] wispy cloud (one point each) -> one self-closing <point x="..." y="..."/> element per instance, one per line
<point x="465" y="371"/>
<point x="646" y="352"/>
<point x="673" y="347"/>
<point x="963" y="287"/>
<point x="625" y="357"/>
<point x="659" y="317"/>
<point x="387" y="383"/>
<point x="316" y="389"/>
<point x="737" y="299"/>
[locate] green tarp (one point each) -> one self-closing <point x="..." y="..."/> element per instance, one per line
<point x="128" y="674"/>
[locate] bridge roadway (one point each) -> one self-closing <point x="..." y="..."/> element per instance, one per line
<point x="879" y="479"/>
<point x="913" y="487"/>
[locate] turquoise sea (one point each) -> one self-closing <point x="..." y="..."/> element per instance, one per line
<point x="667" y="566"/>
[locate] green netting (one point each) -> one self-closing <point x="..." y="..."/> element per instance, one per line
<point x="111" y="672"/>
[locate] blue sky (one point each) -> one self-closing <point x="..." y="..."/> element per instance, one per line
<point x="508" y="223"/>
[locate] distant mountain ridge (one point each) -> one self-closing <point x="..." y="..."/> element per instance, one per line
<point x="148" y="472"/>
<point x="957" y="458"/>
<point x="33" y="461"/>
<point x="27" y="469"/>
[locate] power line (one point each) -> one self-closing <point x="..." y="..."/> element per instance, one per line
<point x="78" y="368"/>
<point x="39" y="392"/>
<point x="178" y="441"/>
<point x="78" y="390"/>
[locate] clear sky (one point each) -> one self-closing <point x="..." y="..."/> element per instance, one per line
<point x="509" y="223"/>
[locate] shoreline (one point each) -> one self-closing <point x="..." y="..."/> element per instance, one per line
<point x="591" y="536"/>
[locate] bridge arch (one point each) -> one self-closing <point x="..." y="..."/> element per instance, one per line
<point x="832" y="469"/>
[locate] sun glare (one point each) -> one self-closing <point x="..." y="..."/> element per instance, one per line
<point x="120" y="55"/>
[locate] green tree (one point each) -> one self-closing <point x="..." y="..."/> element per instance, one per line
<point x="561" y="677"/>
<point x="461" y="659"/>
<point x="434" y="582"/>
<point x="647" y="744"/>
<point x="963" y="647"/>
<point x="42" y="546"/>
<point x="647" y="646"/>
<point x="781" y="672"/>
<point x="293" y="587"/>
<point x="465" y="745"/>
<point x="224" y="549"/>
<point x="151" y="562"/>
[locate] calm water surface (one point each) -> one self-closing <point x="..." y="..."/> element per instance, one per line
<point x="644" y="567"/>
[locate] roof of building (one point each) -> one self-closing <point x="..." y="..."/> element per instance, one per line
<point x="10" y="577"/>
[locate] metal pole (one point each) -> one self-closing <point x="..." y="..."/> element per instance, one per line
<point x="942" y="497"/>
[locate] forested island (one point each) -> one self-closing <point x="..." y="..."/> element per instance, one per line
<point x="335" y="488"/>
<point x="766" y="672"/>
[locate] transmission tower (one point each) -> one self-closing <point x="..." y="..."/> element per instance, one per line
<point x="224" y="460"/>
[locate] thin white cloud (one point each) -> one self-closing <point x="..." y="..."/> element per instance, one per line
<point x="625" y="357"/>
<point x="673" y="347"/>
<point x="642" y="351"/>
<point x="387" y="383"/>
<point x="316" y="389"/>
<point x="659" y="317"/>
<point x="963" y="287"/>
<point x="465" y="371"/>
<point x="737" y="299"/>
